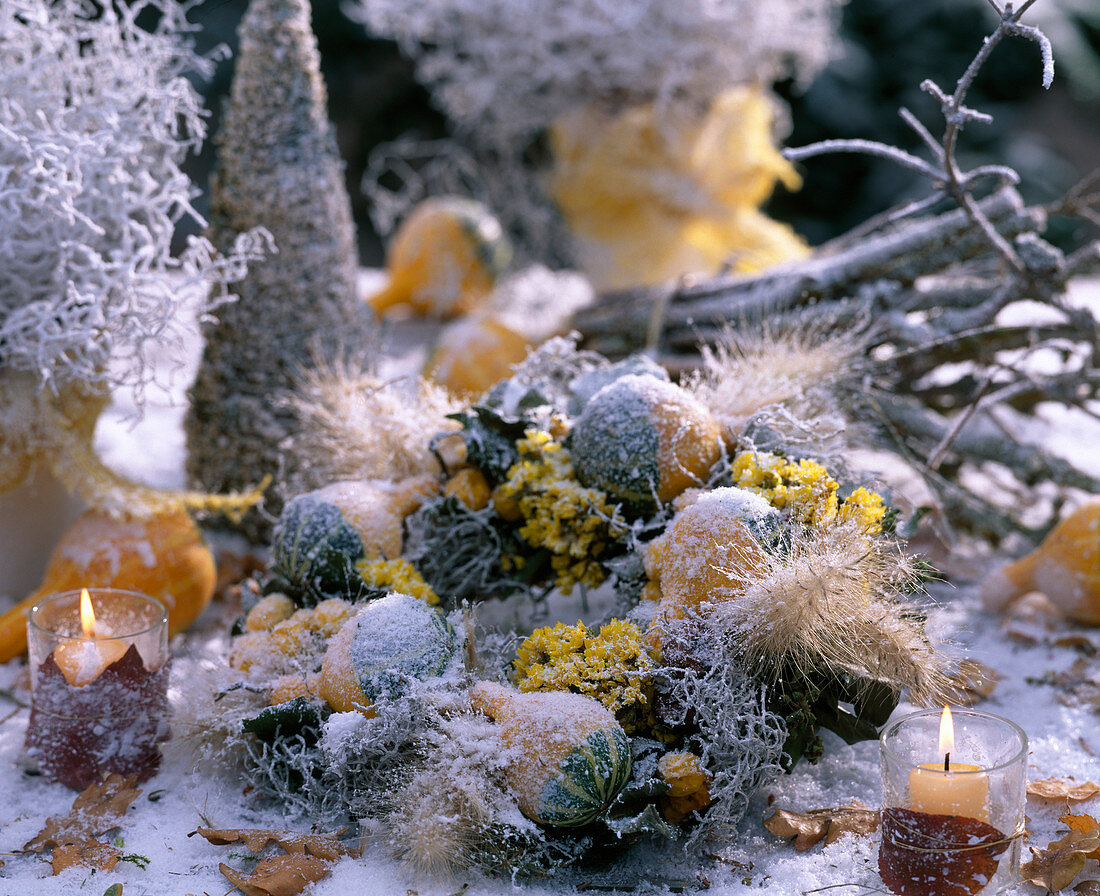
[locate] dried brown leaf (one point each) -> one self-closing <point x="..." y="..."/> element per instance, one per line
<point x="1062" y="789"/>
<point x="257" y="839"/>
<point x="809" y="828"/>
<point x="973" y="682"/>
<point x="283" y="875"/>
<point x="90" y="853"/>
<point x="1056" y="866"/>
<point x="1081" y="643"/>
<point x="1088" y="888"/>
<point x="1083" y="824"/>
<point x="97" y="809"/>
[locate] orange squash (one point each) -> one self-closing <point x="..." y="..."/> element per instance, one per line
<point x="444" y="259"/>
<point x="1065" y="568"/>
<point x="475" y="353"/>
<point x="164" y="556"/>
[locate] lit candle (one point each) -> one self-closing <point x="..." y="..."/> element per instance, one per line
<point x="82" y="660"/>
<point x="949" y="788"/>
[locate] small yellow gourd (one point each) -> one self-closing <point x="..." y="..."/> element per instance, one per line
<point x="163" y="555"/>
<point x="1065" y="568"/>
<point x="704" y="556"/>
<point x="568" y="757"/>
<point x="444" y="259"/>
<point x="474" y="354"/>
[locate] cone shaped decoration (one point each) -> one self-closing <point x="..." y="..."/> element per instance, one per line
<point x="277" y="167"/>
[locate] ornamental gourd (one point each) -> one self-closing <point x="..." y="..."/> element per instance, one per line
<point x="163" y="555"/>
<point x="375" y="653"/>
<point x="473" y="354"/>
<point x="704" y="556"/>
<point x="644" y="441"/>
<point x="1065" y="568"/>
<point x="444" y="259"/>
<point x="322" y="535"/>
<point x="568" y="757"/>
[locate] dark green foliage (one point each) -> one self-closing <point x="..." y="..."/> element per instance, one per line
<point x="491" y="440"/>
<point x="809" y="702"/>
<point x="299" y="717"/>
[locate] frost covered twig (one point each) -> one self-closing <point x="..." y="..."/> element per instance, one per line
<point x="941" y="356"/>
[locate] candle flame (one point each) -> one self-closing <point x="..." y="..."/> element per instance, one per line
<point x="87" y="614"/>
<point x="947" y="732"/>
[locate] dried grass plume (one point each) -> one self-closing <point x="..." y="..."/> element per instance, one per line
<point x="829" y="602"/>
<point x="358" y="426"/>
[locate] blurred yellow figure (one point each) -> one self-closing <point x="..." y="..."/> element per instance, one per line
<point x="444" y="259"/>
<point x="651" y="194"/>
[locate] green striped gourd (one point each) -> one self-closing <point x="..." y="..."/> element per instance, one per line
<point x="568" y="756"/>
<point x="375" y="653"/>
<point x="322" y="535"/>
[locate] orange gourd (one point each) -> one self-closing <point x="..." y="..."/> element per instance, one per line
<point x="164" y="555"/>
<point x="444" y="259"/>
<point x="475" y="353"/>
<point x="704" y="556"/>
<point x="1065" y="568"/>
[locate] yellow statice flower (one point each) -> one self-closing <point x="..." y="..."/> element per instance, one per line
<point x="397" y="575"/>
<point x="805" y="490"/>
<point x="574" y="523"/>
<point x="866" y="508"/>
<point x="612" y="666"/>
<point x="811" y="492"/>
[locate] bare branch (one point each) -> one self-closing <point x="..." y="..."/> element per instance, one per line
<point x="921" y="131"/>
<point x="867" y="147"/>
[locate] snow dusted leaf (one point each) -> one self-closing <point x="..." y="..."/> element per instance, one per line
<point x="1085" y="825"/>
<point x="1088" y="888"/>
<point x="257" y="839"/>
<point x="1062" y="789"/>
<point x="973" y="682"/>
<point x="1056" y="866"/>
<point x="96" y="810"/>
<point x="809" y="828"/>
<point x="285" y="875"/>
<point x="937" y="855"/>
<point x="89" y="853"/>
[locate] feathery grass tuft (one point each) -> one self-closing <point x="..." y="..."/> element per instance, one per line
<point x="788" y="377"/>
<point x="357" y="426"/>
<point x="829" y="602"/>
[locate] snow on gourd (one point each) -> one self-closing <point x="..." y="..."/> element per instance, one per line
<point x="644" y="441"/>
<point x="390" y="641"/>
<point x="444" y="259"/>
<point x="568" y="757"/>
<point x="163" y="555"/>
<point x="322" y="535"/>
<point x="474" y="353"/>
<point x="1065" y="568"/>
<point x="704" y="555"/>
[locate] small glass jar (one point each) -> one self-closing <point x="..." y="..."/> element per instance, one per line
<point x="952" y="824"/>
<point x="99" y="690"/>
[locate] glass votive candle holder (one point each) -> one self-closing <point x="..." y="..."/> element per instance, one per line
<point x="99" y="685"/>
<point x="952" y="803"/>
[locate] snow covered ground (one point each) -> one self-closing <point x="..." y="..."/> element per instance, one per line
<point x="1049" y="685"/>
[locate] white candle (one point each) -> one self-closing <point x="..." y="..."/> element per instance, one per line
<point x="82" y="661"/>
<point x="949" y="788"/>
